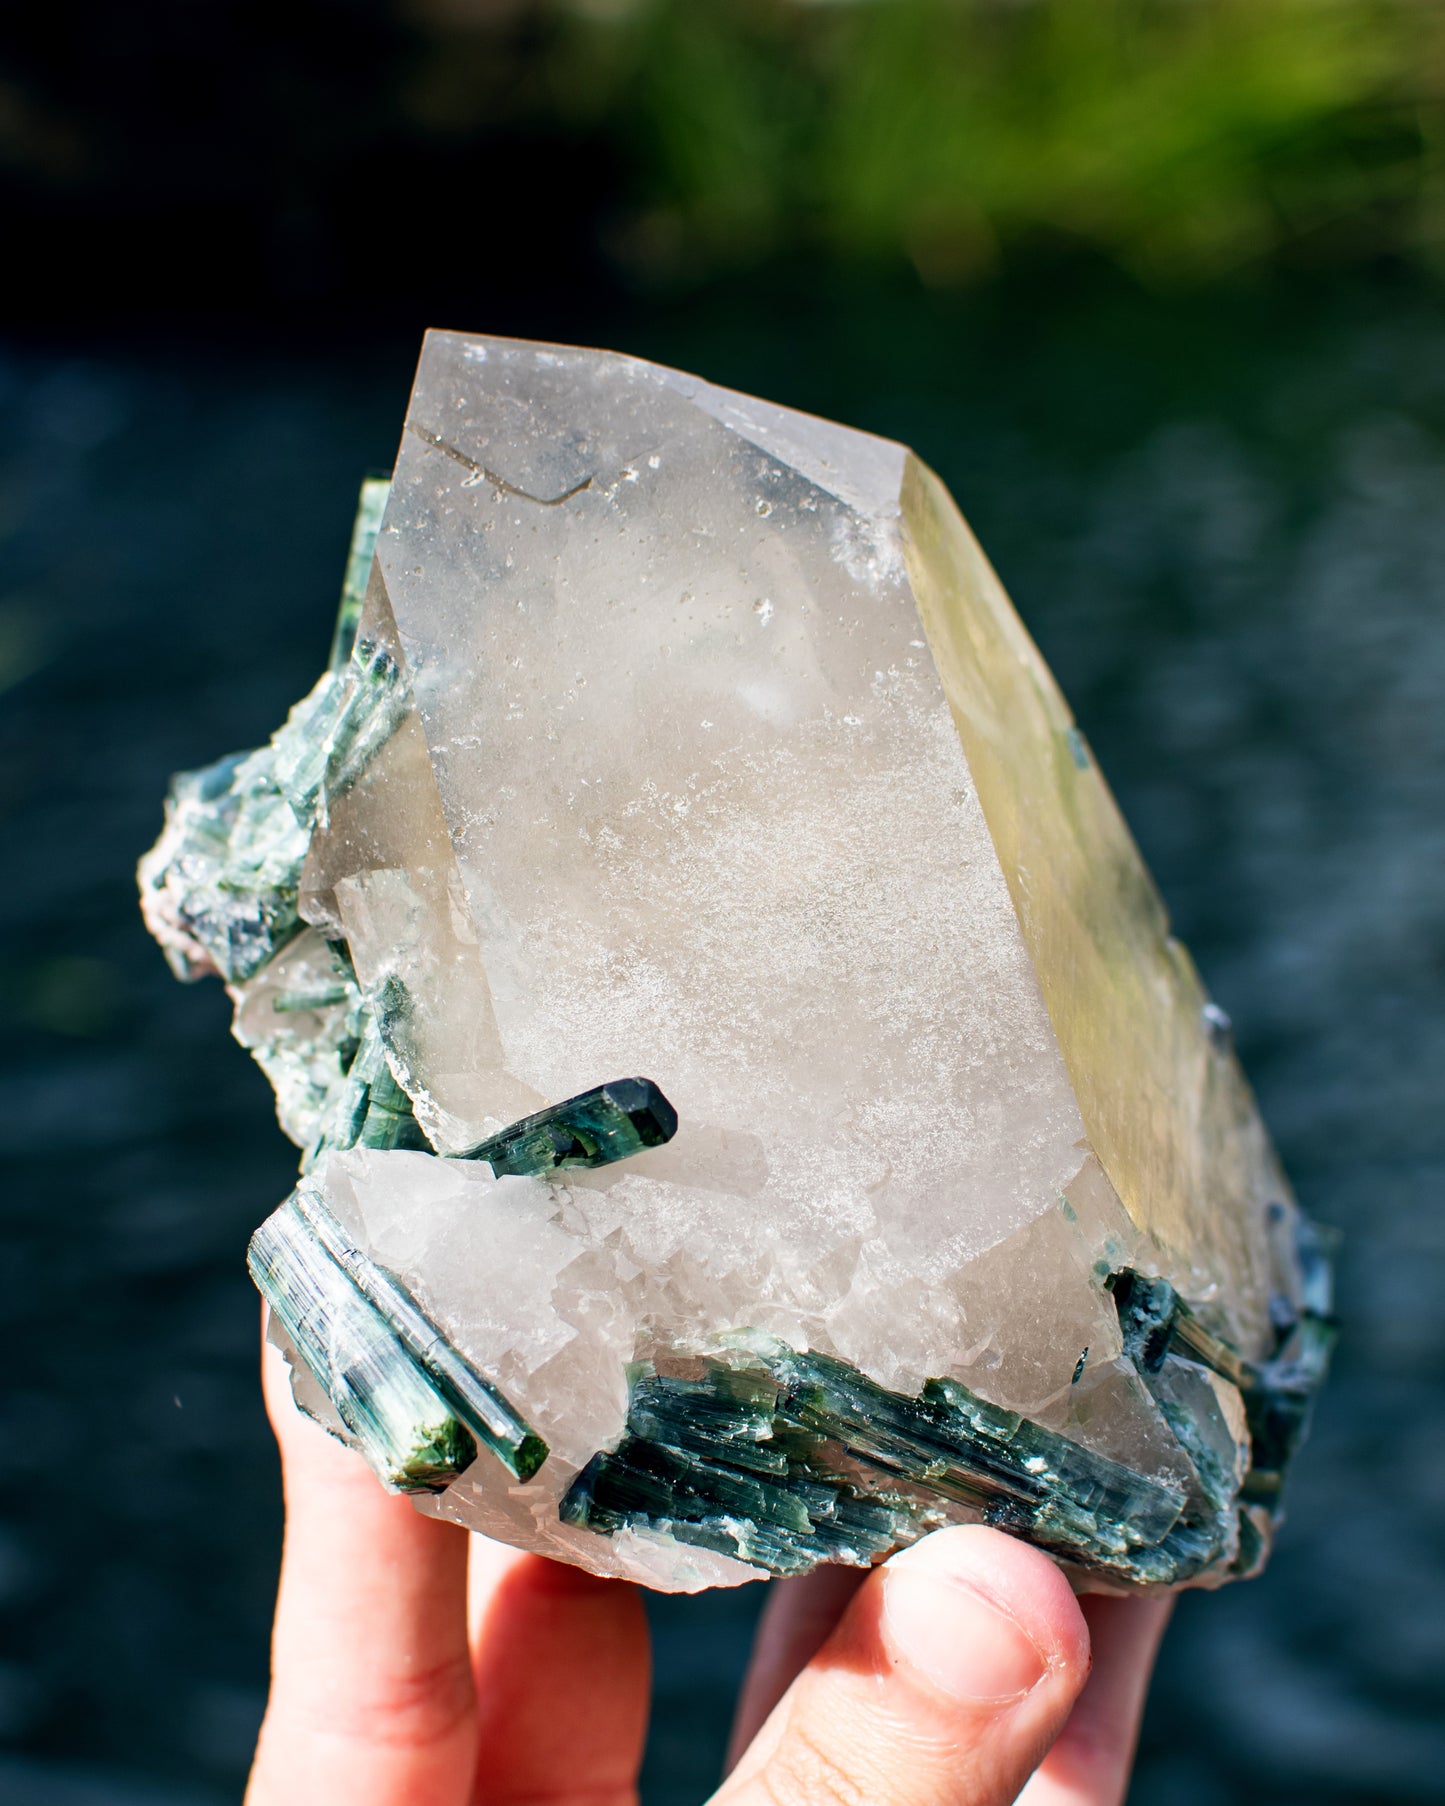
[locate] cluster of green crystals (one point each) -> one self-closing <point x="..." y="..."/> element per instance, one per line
<point x="784" y="1459"/>
<point x="406" y="1429"/>
<point x="1165" y="1338"/>
<point x="415" y="1407"/>
<point x="239" y="830"/>
<point x="222" y="890"/>
<point x="369" y="1108"/>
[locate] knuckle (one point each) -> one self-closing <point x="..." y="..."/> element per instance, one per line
<point x="804" y="1771"/>
<point x="407" y="1708"/>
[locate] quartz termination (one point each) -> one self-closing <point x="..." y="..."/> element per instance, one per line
<point x="665" y="729"/>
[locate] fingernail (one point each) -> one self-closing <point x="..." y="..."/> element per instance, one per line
<point x="969" y="1647"/>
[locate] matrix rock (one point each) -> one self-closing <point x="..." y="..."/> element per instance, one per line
<point x="753" y="1109"/>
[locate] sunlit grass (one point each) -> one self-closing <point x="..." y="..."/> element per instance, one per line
<point x="1182" y="139"/>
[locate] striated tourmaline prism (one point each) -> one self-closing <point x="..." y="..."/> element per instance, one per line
<point x="607" y="1124"/>
<point x="668" y="731"/>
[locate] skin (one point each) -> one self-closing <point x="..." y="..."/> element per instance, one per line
<point x="415" y="1665"/>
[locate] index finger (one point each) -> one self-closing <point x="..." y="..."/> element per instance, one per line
<point x="371" y="1700"/>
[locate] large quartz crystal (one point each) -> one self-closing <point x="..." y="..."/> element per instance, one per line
<point x="753" y="1109"/>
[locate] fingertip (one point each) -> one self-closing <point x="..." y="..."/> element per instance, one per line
<point x="372" y="1689"/>
<point x="952" y="1671"/>
<point x="276" y="1389"/>
<point x="297" y="1435"/>
<point x="321" y="1474"/>
<point x="997" y="1576"/>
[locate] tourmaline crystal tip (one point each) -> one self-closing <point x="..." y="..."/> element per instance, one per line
<point x="595" y="1129"/>
<point x="668" y="730"/>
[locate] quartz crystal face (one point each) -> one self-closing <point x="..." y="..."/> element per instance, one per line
<point x="753" y="1109"/>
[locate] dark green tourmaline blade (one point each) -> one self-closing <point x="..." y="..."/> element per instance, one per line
<point x="409" y="1432"/>
<point x="1159" y="1327"/>
<point x="794" y="1459"/>
<point x="593" y="1129"/>
<point x="484" y="1410"/>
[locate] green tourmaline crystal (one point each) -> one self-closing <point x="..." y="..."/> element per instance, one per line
<point x="409" y="1434"/>
<point x="477" y="1402"/>
<point x="415" y="1407"/>
<point x="370" y="1109"/>
<point x="220" y="887"/>
<point x="771" y="1456"/>
<point x="593" y="1129"/>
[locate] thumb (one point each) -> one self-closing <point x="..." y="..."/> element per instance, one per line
<point x="944" y="1684"/>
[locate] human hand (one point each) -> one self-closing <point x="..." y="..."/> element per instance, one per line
<point x="415" y="1665"/>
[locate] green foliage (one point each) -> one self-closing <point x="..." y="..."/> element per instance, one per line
<point x="1181" y="139"/>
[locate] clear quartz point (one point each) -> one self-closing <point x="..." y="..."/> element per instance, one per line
<point x="671" y="731"/>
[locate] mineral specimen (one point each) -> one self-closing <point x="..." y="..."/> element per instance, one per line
<point x="668" y="731"/>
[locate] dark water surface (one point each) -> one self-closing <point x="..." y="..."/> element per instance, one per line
<point x="1223" y="522"/>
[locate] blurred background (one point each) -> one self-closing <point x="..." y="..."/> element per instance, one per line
<point x="1155" y="284"/>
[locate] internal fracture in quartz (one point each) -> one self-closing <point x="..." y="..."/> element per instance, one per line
<point x="666" y="731"/>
